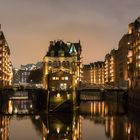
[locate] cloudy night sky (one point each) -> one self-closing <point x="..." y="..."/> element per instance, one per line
<point x="29" y="26"/>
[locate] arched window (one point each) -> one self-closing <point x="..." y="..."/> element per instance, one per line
<point x="67" y="64"/>
<point x="58" y="63"/>
<point x="63" y="63"/>
<point x="49" y="63"/>
<point x="55" y="64"/>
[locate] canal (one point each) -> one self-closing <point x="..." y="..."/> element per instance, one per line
<point x="22" y="118"/>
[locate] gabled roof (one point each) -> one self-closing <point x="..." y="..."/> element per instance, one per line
<point x="68" y="49"/>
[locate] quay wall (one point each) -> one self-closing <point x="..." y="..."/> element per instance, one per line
<point x="134" y="100"/>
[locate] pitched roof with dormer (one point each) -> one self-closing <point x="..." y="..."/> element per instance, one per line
<point x="68" y="49"/>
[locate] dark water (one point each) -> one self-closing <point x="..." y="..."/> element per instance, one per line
<point x="22" y="120"/>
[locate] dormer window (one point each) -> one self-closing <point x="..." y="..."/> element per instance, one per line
<point x="61" y="53"/>
<point x="52" y="53"/>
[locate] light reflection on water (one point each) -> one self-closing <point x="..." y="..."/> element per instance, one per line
<point x="107" y="120"/>
<point x="93" y="120"/>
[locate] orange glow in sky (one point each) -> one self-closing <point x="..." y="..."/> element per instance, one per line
<point x="29" y="25"/>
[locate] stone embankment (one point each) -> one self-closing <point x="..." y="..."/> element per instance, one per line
<point x="134" y="100"/>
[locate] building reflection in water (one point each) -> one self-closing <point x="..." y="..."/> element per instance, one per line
<point x="18" y="107"/>
<point x="4" y="127"/>
<point x="112" y="117"/>
<point x="17" y="104"/>
<point x="62" y="126"/>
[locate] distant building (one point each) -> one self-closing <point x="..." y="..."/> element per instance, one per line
<point x="93" y="73"/>
<point x="5" y="62"/>
<point x="122" y="60"/>
<point x="62" y="65"/>
<point x="39" y="65"/>
<point x="121" y="66"/>
<point x="20" y="76"/>
<point x="16" y="76"/>
<point x="111" y="68"/>
<point x="125" y="63"/>
<point x="133" y="57"/>
<point x="28" y="67"/>
<point x="86" y="77"/>
<point x="97" y="73"/>
<point x="129" y="56"/>
<point x="107" y="68"/>
<point x="24" y="74"/>
<point x="4" y="125"/>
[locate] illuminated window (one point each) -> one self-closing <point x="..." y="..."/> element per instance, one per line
<point x="58" y="63"/>
<point x="62" y="78"/>
<point x="56" y="78"/>
<point x="52" y="53"/>
<point x="53" y="78"/>
<point x="63" y="63"/>
<point x="66" y="78"/>
<point x="53" y="88"/>
<point x="68" y="63"/>
<point x="63" y="86"/>
<point x="49" y="63"/>
<point x="54" y="63"/>
<point x="130" y="54"/>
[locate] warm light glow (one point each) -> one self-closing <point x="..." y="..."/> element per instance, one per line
<point x="15" y="110"/>
<point x="66" y="78"/>
<point x="58" y="130"/>
<point x="130" y="53"/>
<point x="31" y="106"/>
<point x="68" y="96"/>
<point x="58" y="95"/>
<point x="10" y="107"/>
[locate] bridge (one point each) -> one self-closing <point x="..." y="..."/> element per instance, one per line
<point x="18" y="87"/>
<point x="51" y="101"/>
<point x="58" y="101"/>
<point x="23" y="102"/>
<point x="90" y="93"/>
<point x="100" y="92"/>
